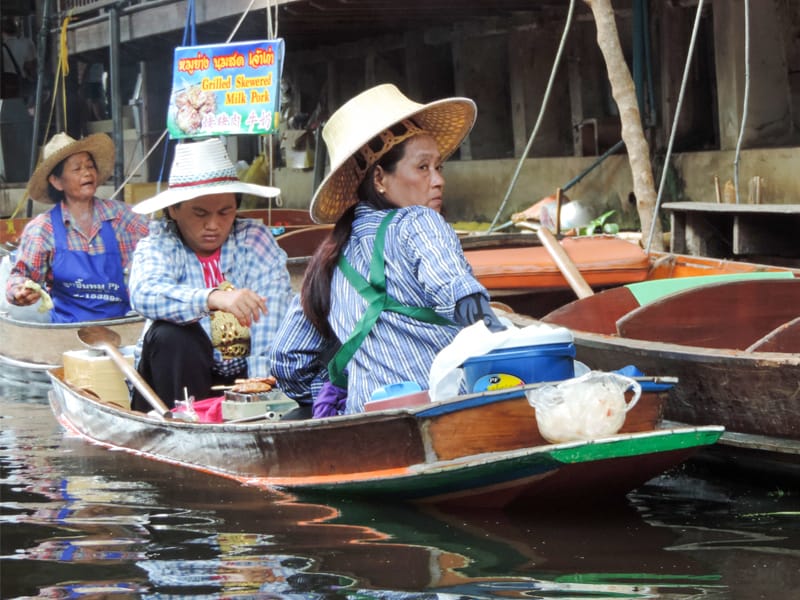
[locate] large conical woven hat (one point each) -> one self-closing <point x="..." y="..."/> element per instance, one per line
<point x="60" y="147"/>
<point x="200" y="169"/>
<point x="370" y="113"/>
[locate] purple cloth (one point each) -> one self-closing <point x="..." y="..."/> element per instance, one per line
<point x="330" y="401"/>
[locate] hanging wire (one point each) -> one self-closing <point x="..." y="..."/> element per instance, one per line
<point x="272" y="32"/>
<point x="665" y="168"/>
<point x="240" y="21"/>
<point x="539" y="119"/>
<point x="746" y="96"/>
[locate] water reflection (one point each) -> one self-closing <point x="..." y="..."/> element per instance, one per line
<point x="83" y="521"/>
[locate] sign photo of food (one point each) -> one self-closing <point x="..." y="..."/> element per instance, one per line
<point x="226" y="89"/>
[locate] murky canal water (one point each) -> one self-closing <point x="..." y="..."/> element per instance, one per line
<point x="79" y="521"/>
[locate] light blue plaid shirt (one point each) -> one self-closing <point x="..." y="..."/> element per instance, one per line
<point x="167" y="284"/>
<point x="425" y="266"/>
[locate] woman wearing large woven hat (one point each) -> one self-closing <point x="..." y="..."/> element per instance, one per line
<point x="79" y="250"/>
<point x="391" y="287"/>
<point x="214" y="288"/>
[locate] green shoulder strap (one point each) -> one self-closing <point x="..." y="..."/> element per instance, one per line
<point x="374" y="292"/>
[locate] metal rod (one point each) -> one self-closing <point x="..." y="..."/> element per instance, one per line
<point x="545" y="98"/>
<point x="686" y="69"/>
<point x="746" y="100"/>
<point x="116" y="100"/>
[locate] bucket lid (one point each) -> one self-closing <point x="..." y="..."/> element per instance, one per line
<point x="537" y="335"/>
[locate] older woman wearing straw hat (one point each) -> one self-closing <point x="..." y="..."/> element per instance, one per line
<point x="391" y="287"/>
<point x="79" y="250"/>
<point x="214" y="288"/>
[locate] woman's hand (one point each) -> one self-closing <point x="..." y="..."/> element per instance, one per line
<point x="244" y="304"/>
<point x="24" y="295"/>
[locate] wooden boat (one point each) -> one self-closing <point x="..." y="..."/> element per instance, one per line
<point x="40" y="346"/>
<point x="481" y="450"/>
<point x="513" y="266"/>
<point x="290" y="219"/>
<point x="299" y="244"/>
<point x="530" y="282"/>
<point x="733" y="342"/>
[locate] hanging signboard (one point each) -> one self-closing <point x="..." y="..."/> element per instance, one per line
<point x="226" y="89"/>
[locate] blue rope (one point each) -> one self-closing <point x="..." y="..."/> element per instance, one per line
<point x="190" y="28"/>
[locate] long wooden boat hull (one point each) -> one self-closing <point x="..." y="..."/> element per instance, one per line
<point x="479" y="450"/>
<point x="713" y="337"/>
<point x="40" y="346"/>
<point x="538" y="476"/>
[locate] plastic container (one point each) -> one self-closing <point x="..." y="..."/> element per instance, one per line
<point x="397" y="395"/>
<point x="393" y="390"/>
<point x="510" y="367"/>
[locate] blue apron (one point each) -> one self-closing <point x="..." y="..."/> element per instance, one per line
<point x="86" y="287"/>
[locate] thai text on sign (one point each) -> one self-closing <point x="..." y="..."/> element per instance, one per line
<point x="226" y="89"/>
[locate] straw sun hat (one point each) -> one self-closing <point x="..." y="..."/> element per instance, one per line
<point x="60" y="147"/>
<point x="200" y="169"/>
<point x="371" y="113"/>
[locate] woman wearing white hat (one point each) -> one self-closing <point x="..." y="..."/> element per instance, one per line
<point x="79" y="250"/>
<point x="391" y="287"/>
<point x="214" y="288"/>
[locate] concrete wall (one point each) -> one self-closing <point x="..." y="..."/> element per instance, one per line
<point x="475" y="189"/>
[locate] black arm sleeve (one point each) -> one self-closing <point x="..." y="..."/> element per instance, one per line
<point x="475" y="307"/>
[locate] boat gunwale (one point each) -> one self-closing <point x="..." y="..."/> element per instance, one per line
<point x="6" y="318"/>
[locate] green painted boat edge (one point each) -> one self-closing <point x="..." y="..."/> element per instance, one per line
<point x="647" y="292"/>
<point x="498" y="468"/>
<point x="603" y="449"/>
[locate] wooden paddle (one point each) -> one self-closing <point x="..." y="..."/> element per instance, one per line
<point x="107" y="340"/>
<point x="564" y="263"/>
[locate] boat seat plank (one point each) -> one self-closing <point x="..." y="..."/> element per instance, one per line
<point x="597" y="313"/>
<point x="602" y="260"/>
<point x="724" y="315"/>
<point x="784" y="338"/>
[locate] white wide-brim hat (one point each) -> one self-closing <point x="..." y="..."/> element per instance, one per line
<point x="60" y="147"/>
<point x="370" y="113"/>
<point x="201" y="169"/>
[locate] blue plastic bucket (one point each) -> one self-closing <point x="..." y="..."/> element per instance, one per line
<point x="510" y="367"/>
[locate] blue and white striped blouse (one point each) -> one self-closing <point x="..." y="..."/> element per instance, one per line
<point x="425" y="266"/>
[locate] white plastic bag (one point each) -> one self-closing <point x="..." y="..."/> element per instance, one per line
<point x="444" y="378"/>
<point x="584" y="408"/>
